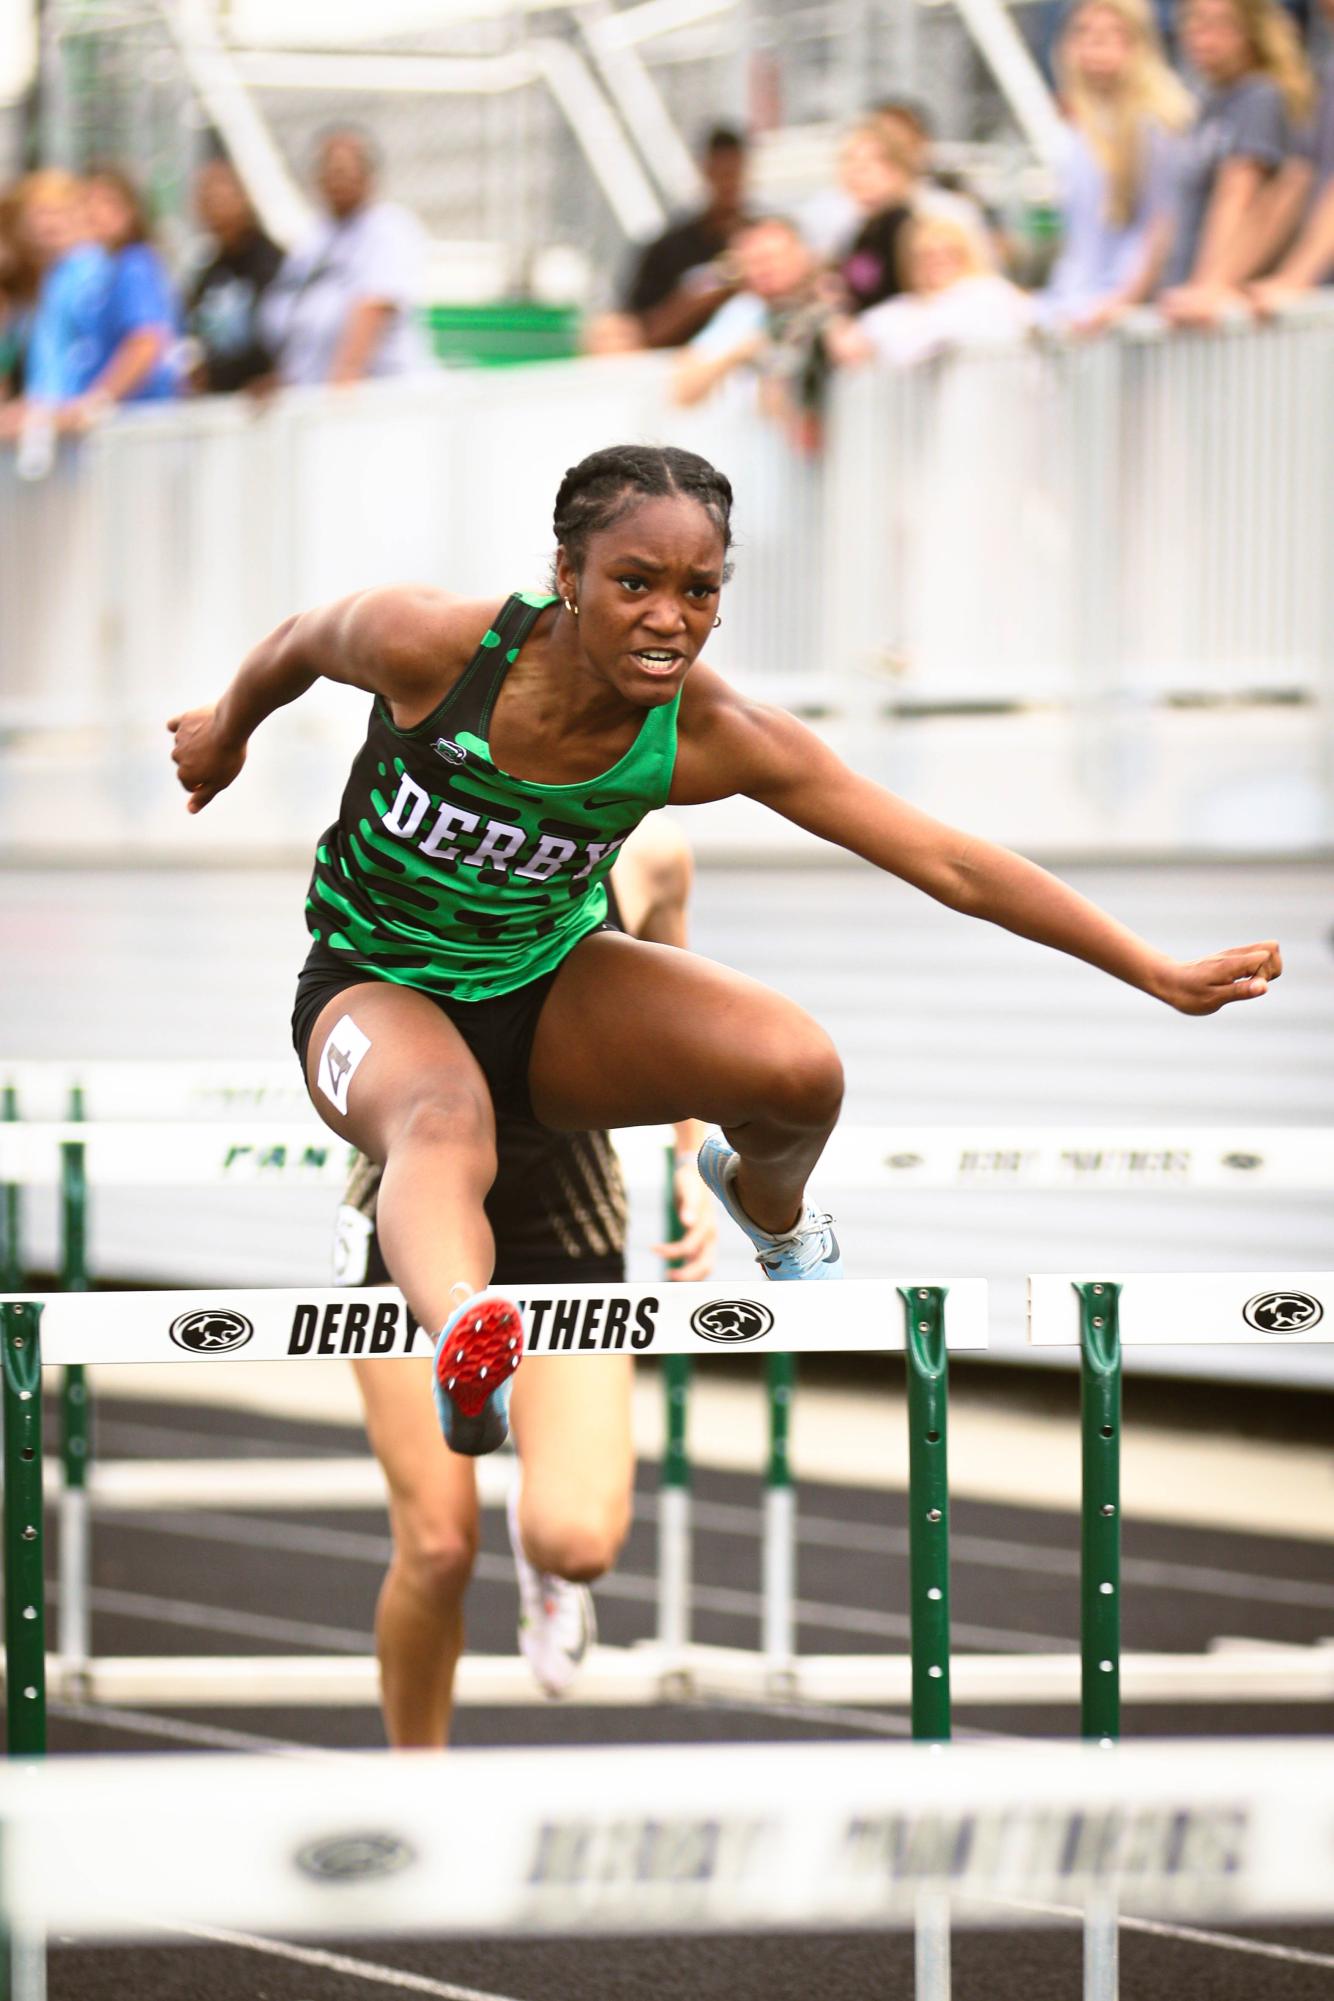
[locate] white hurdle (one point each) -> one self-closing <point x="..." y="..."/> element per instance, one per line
<point x="224" y="1327"/>
<point x="674" y="1839"/>
<point x="223" y="1124"/>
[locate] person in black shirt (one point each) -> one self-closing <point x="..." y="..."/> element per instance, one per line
<point x="680" y="279"/>
<point x="222" y="307"/>
<point x="876" y="169"/>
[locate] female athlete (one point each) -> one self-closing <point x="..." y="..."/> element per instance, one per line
<point x="459" y="962"/>
<point x="557" y="1210"/>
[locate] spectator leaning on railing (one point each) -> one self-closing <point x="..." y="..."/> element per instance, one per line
<point x="343" y="306"/>
<point x="222" y="308"/>
<point x="1245" y="173"/>
<point x="683" y="277"/>
<point x="137" y="324"/>
<point x="1125" y="111"/>
<point x="105" y="325"/>
<point x="767" y="337"/>
<point x="877" y="170"/>
<point x="72" y="275"/>
<point x="934" y="191"/>
<point x="1310" y="261"/>
<point x="953" y="299"/>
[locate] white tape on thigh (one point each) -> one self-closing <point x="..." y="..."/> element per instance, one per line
<point x="342" y="1054"/>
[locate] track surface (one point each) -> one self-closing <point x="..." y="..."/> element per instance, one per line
<point x="233" y="1582"/>
<point x="939" y="1021"/>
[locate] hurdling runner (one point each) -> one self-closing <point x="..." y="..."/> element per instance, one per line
<point x="557" y="1210"/>
<point x="461" y="964"/>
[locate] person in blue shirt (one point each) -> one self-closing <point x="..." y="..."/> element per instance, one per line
<point x="73" y="276"/>
<point x="137" y="323"/>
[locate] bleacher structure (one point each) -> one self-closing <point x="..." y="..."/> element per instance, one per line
<point x="511" y="129"/>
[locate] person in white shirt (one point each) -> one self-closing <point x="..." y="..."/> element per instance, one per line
<point x="953" y="300"/>
<point x="343" y="306"/>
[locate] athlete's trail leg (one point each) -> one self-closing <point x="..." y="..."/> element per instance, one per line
<point x="632" y="1034"/>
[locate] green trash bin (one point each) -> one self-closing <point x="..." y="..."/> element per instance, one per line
<point x="502" y="333"/>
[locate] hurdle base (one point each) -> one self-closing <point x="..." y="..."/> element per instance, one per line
<point x="645" y="1676"/>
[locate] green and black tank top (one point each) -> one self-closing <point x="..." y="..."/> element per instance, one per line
<point x="444" y="872"/>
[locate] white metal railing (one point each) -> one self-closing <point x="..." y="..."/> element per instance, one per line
<point x="1096" y="529"/>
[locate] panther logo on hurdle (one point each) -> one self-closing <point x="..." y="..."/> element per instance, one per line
<point x="211" y="1331"/>
<point x="355" y="1858"/>
<point x="1282" y="1312"/>
<point x="731" y="1320"/>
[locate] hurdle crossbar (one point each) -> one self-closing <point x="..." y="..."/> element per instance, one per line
<point x="673" y="1838"/>
<point x="285" y="1324"/>
<point x="241" y="1148"/>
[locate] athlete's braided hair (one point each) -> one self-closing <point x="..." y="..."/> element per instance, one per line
<point x="602" y="487"/>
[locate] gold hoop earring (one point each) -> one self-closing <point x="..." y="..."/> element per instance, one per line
<point x="571" y="607"/>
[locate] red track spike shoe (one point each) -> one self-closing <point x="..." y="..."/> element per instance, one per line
<point x="476" y="1354"/>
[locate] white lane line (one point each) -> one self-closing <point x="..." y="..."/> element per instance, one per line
<point x="866" y="1722"/>
<point x="997" y="1553"/>
<point x="991" y="1552"/>
<point x="631" y="1587"/>
<point x="140" y="1723"/>
<point x="1188" y="1934"/>
<point x="222" y="1619"/>
<point x="120" y="1438"/>
<point x="1262" y="1948"/>
<point x="337" y="1962"/>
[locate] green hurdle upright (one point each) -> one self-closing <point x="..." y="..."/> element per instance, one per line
<point x="11" y="1208"/>
<point x="674" y="1490"/>
<point x="1100" y="1579"/>
<point x="928" y="1509"/>
<point x="927" y="1361"/>
<point x="74" y="1631"/>
<point x="25" y="1617"/>
<point x="779" y="1634"/>
<point x="1100" y="1511"/>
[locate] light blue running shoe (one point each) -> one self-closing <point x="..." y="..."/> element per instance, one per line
<point x="476" y="1353"/>
<point x="810" y="1251"/>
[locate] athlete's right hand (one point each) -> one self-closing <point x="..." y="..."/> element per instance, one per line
<point x="206" y="761"/>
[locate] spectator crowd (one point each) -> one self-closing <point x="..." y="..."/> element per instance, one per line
<point x="1202" y="186"/>
<point x="90" y="316"/>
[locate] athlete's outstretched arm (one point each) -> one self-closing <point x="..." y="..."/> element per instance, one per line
<point x="769" y="756"/>
<point x="404" y="643"/>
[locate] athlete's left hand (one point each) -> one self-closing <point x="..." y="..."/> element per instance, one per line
<point x="1203" y="986"/>
<point x="692" y="1255"/>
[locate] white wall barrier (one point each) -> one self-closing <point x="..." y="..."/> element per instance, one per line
<point x="1116" y="537"/>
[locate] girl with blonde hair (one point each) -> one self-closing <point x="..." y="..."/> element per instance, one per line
<point x="952" y="299"/>
<point x="1125" y="109"/>
<point x="1245" y="175"/>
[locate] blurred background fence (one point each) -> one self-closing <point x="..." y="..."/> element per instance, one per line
<point x="510" y="126"/>
<point x="1080" y="593"/>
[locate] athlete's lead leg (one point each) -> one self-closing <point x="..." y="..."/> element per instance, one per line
<point x="416" y="1103"/>
<point x="390" y="1073"/>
